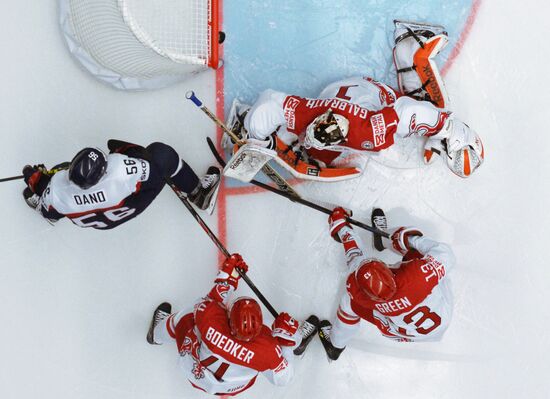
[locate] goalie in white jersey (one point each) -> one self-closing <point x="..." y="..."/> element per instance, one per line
<point x="408" y="302"/>
<point x="104" y="191"/>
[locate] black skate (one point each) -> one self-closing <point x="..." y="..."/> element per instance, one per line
<point x="207" y="190"/>
<point x="307" y="331"/>
<point x="378" y="219"/>
<point x="161" y="312"/>
<point x="333" y="352"/>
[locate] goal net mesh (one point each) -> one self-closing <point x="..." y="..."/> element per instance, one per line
<point x="144" y="39"/>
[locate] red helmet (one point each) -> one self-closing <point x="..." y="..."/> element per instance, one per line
<point x="376" y="279"/>
<point x="245" y="318"/>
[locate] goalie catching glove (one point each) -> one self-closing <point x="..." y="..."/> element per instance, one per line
<point x="460" y="145"/>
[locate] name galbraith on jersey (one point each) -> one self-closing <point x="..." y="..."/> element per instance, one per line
<point x="226" y="344"/>
<point x="336" y="104"/>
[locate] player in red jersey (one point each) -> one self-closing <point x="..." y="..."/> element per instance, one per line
<point x="361" y="114"/>
<point x="409" y="301"/>
<point x="224" y="345"/>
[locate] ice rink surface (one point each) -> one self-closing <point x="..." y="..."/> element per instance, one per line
<point x="76" y="303"/>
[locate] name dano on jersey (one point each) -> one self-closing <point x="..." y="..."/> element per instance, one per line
<point x="90" y="198"/>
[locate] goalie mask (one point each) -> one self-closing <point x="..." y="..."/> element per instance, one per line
<point x="464" y="148"/>
<point x="326" y="130"/>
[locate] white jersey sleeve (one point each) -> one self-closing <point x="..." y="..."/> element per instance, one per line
<point x="438" y="251"/>
<point x="266" y="115"/>
<point x="419" y="117"/>
<point x="363" y="91"/>
<point x="284" y="373"/>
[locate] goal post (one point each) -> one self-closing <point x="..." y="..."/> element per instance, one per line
<point x="142" y="44"/>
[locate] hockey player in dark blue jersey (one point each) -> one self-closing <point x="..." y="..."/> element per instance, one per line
<point x="103" y="191"/>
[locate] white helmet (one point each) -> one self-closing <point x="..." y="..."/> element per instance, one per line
<point x="326" y="130"/>
<point x="464" y="148"/>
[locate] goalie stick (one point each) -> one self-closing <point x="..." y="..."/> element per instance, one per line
<point x="268" y="170"/>
<point x="300" y="200"/>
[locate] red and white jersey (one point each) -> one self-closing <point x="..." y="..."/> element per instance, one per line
<point x="421" y="309"/>
<point x="122" y="179"/>
<point x="374" y="112"/>
<point x="213" y="360"/>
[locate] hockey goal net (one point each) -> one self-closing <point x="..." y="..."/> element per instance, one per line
<point x="142" y="44"/>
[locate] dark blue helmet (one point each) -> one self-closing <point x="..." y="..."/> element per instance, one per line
<point x="87" y="167"/>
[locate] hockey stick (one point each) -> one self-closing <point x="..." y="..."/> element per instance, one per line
<point x="11" y="178"/>
<point x="50" y="172"/>
<point x="183" y="198"/>
<point x="113" y="144"/>
<point x="268" y="170"/>
<point x="302" y="201"/>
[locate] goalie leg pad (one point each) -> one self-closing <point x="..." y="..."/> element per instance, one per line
<point x="416" y="46"/>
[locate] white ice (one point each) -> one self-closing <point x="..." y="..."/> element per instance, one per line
<point x="76" y="303"/>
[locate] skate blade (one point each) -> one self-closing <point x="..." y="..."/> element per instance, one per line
<point x="214" y="199"/>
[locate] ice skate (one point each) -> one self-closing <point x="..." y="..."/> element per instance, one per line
<point x="203" y="196"/>
<point x="307" y="331"/>
<point x="333" y="352"/>
<point x="161" y="312"/>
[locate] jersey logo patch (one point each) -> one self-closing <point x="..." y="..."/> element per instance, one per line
<point x="425" y="129"/>
<point x="378" y="129"/>
<point x="290" y="112"/>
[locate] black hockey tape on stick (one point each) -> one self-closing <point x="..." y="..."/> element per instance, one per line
<point x="300" y="200"/>
<point x="11" y="178"/>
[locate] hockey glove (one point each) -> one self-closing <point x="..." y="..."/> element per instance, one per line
<point x="235" y="261"/>
<point x="400" y="239"/>
<point x="284" y="329"/>
<point x="337" y="221"/>
<point x="37" y="178"/>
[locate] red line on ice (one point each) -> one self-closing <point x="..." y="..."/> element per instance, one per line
<point x="225" y="191"/>
<point x="463" y="36"/>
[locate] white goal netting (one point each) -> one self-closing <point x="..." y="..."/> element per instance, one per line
<point x="141" y="44"/>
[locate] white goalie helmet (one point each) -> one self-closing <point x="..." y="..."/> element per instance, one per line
<point x="326" y="130"/>
<point x="464" y="148"/>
